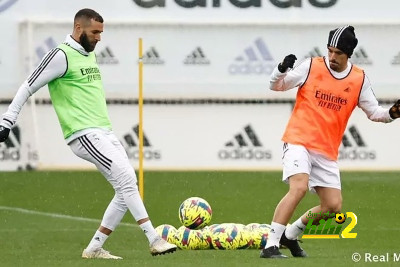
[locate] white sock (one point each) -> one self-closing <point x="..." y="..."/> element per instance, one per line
<point x="295" y="229"/>
<point x="275" y="234"/>
<point x="97" y="241"/>
<point x="149" y="231"/>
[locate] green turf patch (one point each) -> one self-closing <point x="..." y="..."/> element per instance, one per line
<point x="47" y="218"/>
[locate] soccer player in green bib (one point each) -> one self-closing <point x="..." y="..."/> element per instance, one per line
<point x="77" y="94"/>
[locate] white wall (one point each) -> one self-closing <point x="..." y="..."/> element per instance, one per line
<point x="236" y="61"/>
<point x="199" y="137"/>
<point x="223" y="32"/>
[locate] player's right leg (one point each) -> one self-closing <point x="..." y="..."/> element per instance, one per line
<point x="107" y="153"/>
<point x="283" y="212"/>
<point x="296" y="171"/>
<point x="130" y="193"/>
<point x="325" y="181"/>
<point x="111" y="218"/>
<point x="83" y="148"/>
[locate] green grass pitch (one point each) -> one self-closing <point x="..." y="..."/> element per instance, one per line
<point x="32" y="233"/>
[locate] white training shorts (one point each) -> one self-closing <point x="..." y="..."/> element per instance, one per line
<point x="103" y="149"/>
<point x="321" y="170"/>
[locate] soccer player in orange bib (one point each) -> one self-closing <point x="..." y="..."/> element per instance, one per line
<point x="329" y="89"/>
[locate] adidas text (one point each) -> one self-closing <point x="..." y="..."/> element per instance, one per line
<point x="356" y="154"/>
<point x="10" y="154"/>
<point x="147" y="154"/>
<point x="247" y="154"/>
<point x="239" y="4"/>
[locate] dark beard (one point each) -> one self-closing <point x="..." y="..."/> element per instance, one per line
<point x="84" y="41"/>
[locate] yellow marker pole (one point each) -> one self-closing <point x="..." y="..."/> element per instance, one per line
<point x="141" y="180"/>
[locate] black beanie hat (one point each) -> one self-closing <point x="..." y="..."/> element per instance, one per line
<point x="344" y="39"/>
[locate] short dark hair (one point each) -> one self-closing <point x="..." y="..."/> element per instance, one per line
<point x="88" y="14"/>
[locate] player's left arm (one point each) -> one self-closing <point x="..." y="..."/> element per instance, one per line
<point x="370" y="105"/>
<point x="290" y="78"/>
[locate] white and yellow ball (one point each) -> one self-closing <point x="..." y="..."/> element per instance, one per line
<point x="259" y="234"/>
<point x="186" y="238"/>
<point x="228" y="236"/>
<point x="195" y="213"/>
<point x="167" y="232"/>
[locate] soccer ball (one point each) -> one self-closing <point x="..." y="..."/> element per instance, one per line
<point x="211" y="227"/>
<point x="167" y="232"/>
<point x="259" y="234"/>
<point x="207" y="233"/>
<point x="186" y="238"/>
<point x="245" y="240"/>
<point x="195" y="213"/>
<point x="229" y="236"/>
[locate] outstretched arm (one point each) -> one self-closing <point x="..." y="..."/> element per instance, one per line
<point x="52" y="66"/>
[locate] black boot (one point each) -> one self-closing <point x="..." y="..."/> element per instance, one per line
<point x="293" y="245"/>
<point x="272" y="252"/>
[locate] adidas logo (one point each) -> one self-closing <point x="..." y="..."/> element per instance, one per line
<point x="197" y="57"/>
<point x="106" y="56"/>
<point x="132" y="149"/>
<point x="360" y="57"/>
<point x="245" y="146"/>
<point x="257" y="59"/>
<point x="152" y="57"/>
<point x="259" y="52"/>
<point x="355" y="134"/>
<point x="396" y="59"/>
<point x="10" y="149"/>
<point x="246" y="138"/>
<point x="354" y="147"/>
<point x="49" y="44"/>
<point x="130" y="140"/>
<point x="315" y="52"/>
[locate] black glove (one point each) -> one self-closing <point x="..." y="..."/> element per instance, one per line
<point x="394" y="111"/>
<point x="287" y="62"/>
<point x="4" y="132"/>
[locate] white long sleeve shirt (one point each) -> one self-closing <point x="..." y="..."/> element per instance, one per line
<point x="297" y="76"/>
<point x="53" y="65"/>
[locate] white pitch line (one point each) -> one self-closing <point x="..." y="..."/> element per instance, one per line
<point x="60" y="216"/>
